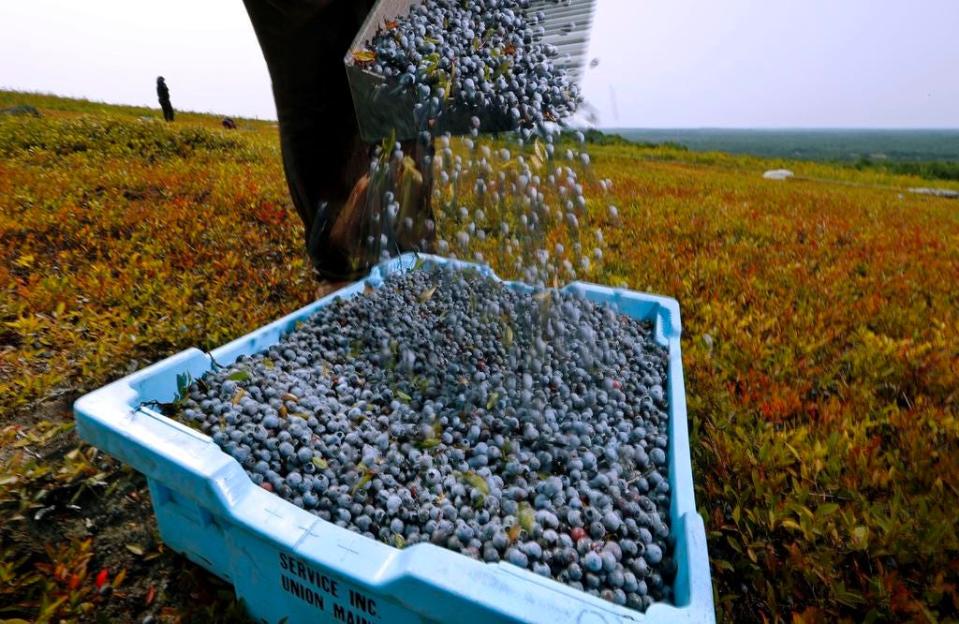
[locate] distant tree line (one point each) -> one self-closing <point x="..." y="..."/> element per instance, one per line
<point x="930" y="170"/>
<point x="927" y="169"/>
<point x="598" y="137"/>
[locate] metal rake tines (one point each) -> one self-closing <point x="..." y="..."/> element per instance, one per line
<point x="568" y="24"/>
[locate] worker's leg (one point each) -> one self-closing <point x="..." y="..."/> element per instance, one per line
<point x="304" y="43"/>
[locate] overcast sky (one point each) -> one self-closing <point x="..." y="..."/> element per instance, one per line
<point x="662" y="63"/>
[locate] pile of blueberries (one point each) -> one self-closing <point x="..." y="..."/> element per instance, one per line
<point x="444" y="407"/>
<point x="476" y="55"/>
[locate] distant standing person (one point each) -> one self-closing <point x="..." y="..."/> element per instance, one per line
<point x="164" y="94"/>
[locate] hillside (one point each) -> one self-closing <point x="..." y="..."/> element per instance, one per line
<point x="821" y="350"/>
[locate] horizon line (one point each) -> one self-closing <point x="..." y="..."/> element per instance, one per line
<point x="602" y="128"/>
<point x="788" y="128"/>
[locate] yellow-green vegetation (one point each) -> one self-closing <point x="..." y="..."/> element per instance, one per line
<point x="821" y="348"/>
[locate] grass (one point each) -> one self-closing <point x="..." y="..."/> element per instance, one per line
<point x="821" y="350"/>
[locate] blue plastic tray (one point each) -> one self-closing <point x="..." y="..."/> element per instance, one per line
<point x="288" y="565"/>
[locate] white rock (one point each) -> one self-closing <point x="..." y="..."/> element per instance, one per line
<point x="936" y="192"/>
<point x="778" y="174"/>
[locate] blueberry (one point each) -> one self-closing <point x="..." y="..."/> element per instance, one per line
<point x="533" y="550"/>
<point x="593" y="562"/>
<point x="654" y="554"/>
<point x="658" y="456"/>
<point x="393" y="504"/>
<point x="574" y="571"/>
<point x="608" y="561"/>
<point x="541" y="568"/>
<point x="517" y="558"/>
<point x="616" y="578"/>
<point x="597" y="530"/>
<point x="305" y="454"/>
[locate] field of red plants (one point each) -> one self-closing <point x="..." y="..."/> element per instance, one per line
<point x="821" y="349"/>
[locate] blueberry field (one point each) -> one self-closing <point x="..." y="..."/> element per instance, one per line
<point x="821" y="350"/>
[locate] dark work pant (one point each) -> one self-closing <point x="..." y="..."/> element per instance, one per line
<point x="304" y="42"/>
